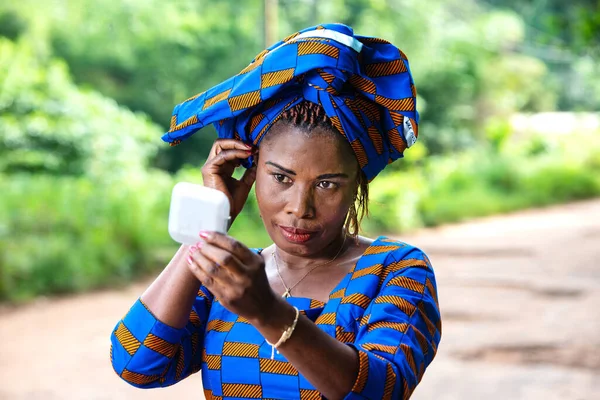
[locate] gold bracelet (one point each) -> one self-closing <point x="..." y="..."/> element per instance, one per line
<point x="287" y="333"/>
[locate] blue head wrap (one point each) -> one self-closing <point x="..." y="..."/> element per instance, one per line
<point x="364" y="85"/>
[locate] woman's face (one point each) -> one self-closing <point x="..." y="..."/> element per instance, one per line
<point x="304" y="187"/>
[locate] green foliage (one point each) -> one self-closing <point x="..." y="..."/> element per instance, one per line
<point x="49" y="125"/>
<point x="150" y="55"/>
<point x="64" y="234"/>
<point x="11" y="25"/>
<point x="573" y="25"/>
<point x="81" y="208"/>
<point x="61" y="234"/>
<point x="486" y="181"/>
<point x="566" y="36"/>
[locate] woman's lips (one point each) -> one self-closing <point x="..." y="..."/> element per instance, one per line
<point x="296" y="235"/>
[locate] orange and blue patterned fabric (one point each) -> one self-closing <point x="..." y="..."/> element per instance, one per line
<point x="386" y="307"/>
<point x="363" y="83"/>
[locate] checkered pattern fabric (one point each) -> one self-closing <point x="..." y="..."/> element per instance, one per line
<point x="363" y="83"/>
<point x="386" y="308"/>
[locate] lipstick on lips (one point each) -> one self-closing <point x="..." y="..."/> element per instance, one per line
<point x="296" y="235"/>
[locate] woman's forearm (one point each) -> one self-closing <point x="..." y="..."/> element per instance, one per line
<point x="329" y="365"/>
<point x="171" y="296"/>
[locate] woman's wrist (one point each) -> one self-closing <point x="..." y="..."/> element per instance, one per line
<point x="184" y="267"/>
<point x="275" y="319"/>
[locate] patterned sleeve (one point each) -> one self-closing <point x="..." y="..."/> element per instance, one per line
<point x="400" y="331"/>
<point x="147" y="353"/>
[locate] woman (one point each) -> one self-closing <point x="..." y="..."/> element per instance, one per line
<point x="322" y="311"/>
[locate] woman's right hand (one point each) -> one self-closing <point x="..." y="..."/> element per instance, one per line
<point x="217" y="172"/>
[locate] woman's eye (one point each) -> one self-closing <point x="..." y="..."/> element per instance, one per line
<point x="327" y="185"/>
<point x="281" y="178"/>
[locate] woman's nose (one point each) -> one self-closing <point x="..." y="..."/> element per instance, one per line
<point x="301" y="203"/>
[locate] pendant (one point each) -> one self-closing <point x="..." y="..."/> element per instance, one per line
<point x="286" y="294"/>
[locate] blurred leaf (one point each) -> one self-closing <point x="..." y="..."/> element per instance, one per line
<point x="49" y="125"/>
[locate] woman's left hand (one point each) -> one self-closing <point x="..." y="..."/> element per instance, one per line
<point x="234" y="274"/>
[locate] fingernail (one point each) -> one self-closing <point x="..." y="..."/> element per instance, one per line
<point x="248" y="145"/>
<point x="204" y="234"/>
<point x="190" y="260"/>
<point x="195" y="247"/>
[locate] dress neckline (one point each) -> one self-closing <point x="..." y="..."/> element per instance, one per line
<point x="296" y="300"/>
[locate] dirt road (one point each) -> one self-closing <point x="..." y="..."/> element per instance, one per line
<point x="520" y="298"/>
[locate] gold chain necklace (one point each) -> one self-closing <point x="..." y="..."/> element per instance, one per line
<point x="288" y="290"/>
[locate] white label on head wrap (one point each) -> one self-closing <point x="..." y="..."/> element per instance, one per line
<point x="409" y="133"/>
<point x="327" y="34"/>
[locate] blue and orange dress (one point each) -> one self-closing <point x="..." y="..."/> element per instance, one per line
<point x="386" y="308"/>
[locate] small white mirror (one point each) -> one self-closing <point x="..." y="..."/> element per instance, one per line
<point x="196" y="208"/>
